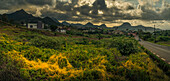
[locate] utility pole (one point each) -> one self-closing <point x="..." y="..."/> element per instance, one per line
<point x="154" y="34"/>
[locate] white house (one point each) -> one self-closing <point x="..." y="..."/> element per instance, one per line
<point x="63" y="30"/>
<point x="32" y="25"/>
<point x="36" y="25"/>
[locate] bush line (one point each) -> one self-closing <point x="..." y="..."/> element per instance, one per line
<point x="162" y="64"/>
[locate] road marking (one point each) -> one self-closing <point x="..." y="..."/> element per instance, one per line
<point x="163" y="59"/>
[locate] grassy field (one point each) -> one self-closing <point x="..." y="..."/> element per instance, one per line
<point x="167" y="43"/>
<point x="39" y="55"/>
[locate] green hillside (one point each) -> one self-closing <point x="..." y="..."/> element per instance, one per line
<point x="35" y="55"/>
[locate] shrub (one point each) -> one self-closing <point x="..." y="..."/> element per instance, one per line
<point x="9" y="71"/>
<point x="125" y="46"/>
<point x="163" y="38"/>
<point x="46" y="42"/>
<point x="53" y="28"/>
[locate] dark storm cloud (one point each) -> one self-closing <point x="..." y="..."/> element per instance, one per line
<point x="166" y="13"/>
<point x="149" y="14"/>
<point x="7" y="4"/>
<point x="98" y="5"/>
<point x="73" y="10"/>
<point x="39" y="2"/>
<point x="70" y="9"/>
<point x="61" y="6"/>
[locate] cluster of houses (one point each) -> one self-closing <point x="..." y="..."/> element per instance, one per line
<point x="63" y="29"/>
<point x="42" y="26"/>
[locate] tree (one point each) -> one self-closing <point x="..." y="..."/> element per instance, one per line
<point x="5" y="18"/>
<point x="99" y="36"/>
<point x="53" y="28"/>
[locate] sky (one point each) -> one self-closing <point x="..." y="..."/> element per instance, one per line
<point x="109" y="12"/>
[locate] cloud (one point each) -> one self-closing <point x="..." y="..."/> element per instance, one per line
<point x="93" y="10"/>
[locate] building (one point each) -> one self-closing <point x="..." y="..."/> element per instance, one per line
<point x="35" y="25"/>
<point x="61" y="29"/>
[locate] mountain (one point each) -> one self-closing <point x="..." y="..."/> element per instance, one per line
<point x="66" y="23"/>
<point x="0" y="17"/>
<point x="56" y="20"/>
<point x="23" y="16"/>
<point x="127" y="26"/>
<point x="50" y="21"/>
<point x="77" y="25"/>
<point x="89" y="24"/>
<point x="103" y="26"/>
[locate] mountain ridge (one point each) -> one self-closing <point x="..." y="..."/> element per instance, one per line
<point x="22" y="16"/>
<point x="128" y="26"/>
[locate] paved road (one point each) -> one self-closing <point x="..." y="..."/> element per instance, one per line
<point x="161" y="51"/>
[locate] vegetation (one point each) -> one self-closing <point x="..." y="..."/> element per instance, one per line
<point x="126" y="46"/>
<point x="159" y="37"/>
<point x="53" y="28"/>
<point x="27" y="55"/>
<point x="162" y="64"/>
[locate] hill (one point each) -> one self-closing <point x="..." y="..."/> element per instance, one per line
<point x="50" y="21"/>
<point x="103" y="26"/>
<point x="22" y="16"/>
<point x="127" y="26"/>
<point x="28" y="54"/>
<point x="66" y="23"/>
<point x="89" y="24"/>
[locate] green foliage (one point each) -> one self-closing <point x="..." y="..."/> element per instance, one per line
<point x="46" y="42"/>
<point x="8" y="69"/>
<point x="146" y="36"/>
<point x="125" y="46"/>
<point x="5" y="18"/>
<point x="162" y="64"/>
<point x="75" y="32"/>
<point x="159" y="36"/>
<point x="39" y="57"/>
<point x="53" y="28"/>
<point x="163" y="38"/>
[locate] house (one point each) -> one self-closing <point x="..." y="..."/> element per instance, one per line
<point x="118" y="32"/>
<point x="35" y="25"/>
<point x="61" y="29"/>
<point x="133" y="34"/>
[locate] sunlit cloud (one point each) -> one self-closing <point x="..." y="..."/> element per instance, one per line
<point x="96" y="11"/>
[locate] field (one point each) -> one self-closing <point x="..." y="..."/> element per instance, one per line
<point x="31" y="55"/>
<point x="160" y="37"/>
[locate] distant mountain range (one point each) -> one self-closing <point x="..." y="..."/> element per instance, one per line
<point x="88" y="25"/>
<point x="22" y="16"/>
<point x="128" y="26"/>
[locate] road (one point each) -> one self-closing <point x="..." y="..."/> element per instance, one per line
<point x="162" y="52"/>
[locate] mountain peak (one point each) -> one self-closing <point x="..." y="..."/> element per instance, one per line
<point x="50" y="21"/>
<point x="103" y="26"/>
<point x="47" y="17"/>
<point x="89" y="23"/>
<point x="126" y="24"/>
<point x="64" y="22"/>
<point x="20" y="15"/>
<point x="22" y="11"/>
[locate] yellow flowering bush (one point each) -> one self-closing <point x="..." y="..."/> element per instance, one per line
<point x="78" y="62"/>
